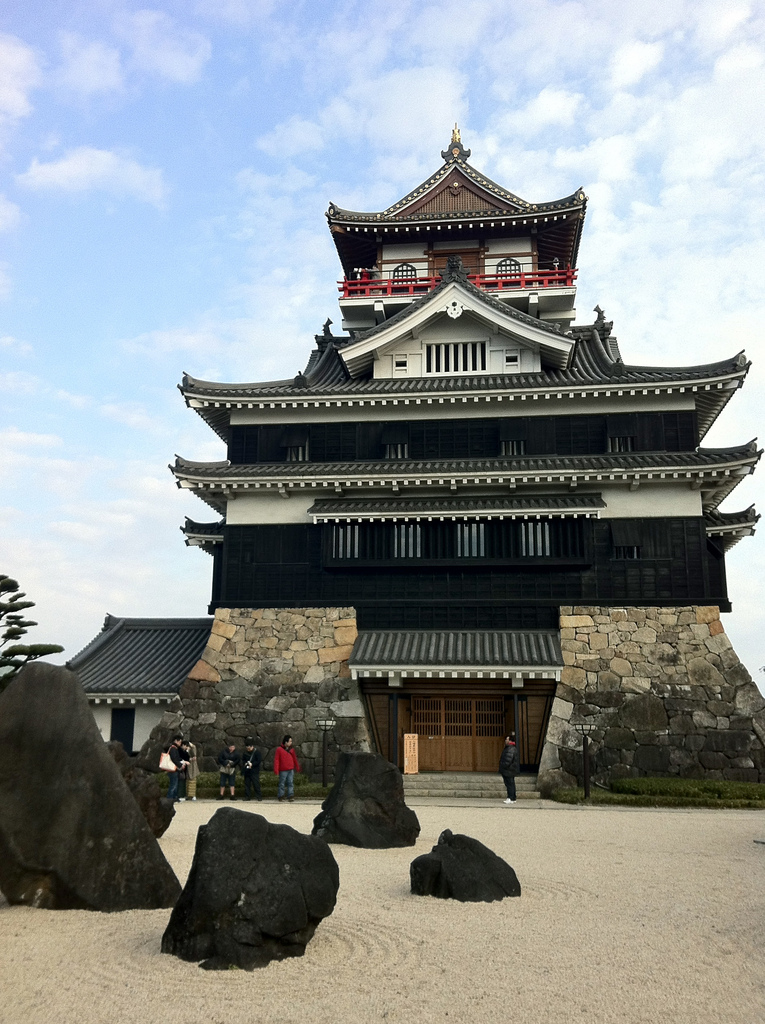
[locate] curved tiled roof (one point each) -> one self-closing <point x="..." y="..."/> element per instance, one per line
<point x="396" y="649"/>
<point x="371" y="508"/>
<point x="140" y="656"/>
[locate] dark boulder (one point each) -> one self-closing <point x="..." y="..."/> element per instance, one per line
<point x="143" y="784"/>
<point x="366" y="807"/>
<point x="461" y="868"/>
<point x="256" y="892"/>
<point x="71" y="835"/>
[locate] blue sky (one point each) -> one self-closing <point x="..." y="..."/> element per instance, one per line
<point x="164" y="173"/>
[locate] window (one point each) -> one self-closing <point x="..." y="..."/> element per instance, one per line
<point x="407" y="540"/>
<point x="535" y="540"/>
<point x="345" y="540"/>
<point x="625" y="443"/>
<point x="512" y="447"/>
<point x="400" y="364"/>
<point x="294" y="441"/>
<point x="627" y="551"/>
<point x="404" y="272"/>
<point x="512" y="362"/>
<point x="508" y="268"/>
<point x="396" y="451"/>
<point x="395" y="440"/>
<point x="456" y="357"/>
<point x="471" y="540"/>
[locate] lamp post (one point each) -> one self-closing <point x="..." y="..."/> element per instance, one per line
<point x="326" y="725"/>
<point x="586" y="728"/>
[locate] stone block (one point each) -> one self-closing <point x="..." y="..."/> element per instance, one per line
<point x="644" y="712"/>
<point x="573" y="676"/>
<point x="707" y="613"/>
<point x="328" y="654"/>
<point x="215" y="641"/>
<point x="598" y="641"/>
<point x="568" y="633"/>
<point x="702" y="673"/>
<point x="715" y="628"/>
<point x="203" y="671"/>
<point x="741" y="774"/>
<point x="652" y="759"/>
<point x="562" y="709"/>
<point x="345" y="635"/>
<point x="749" y="700"/>
<point x="619" y="739"/>
<point x="608" y="681"/>
<point x="304" y="659"/>
<point x="703" y="719"/>
<point x="644" y="635"/>
<point x="576" y="620"/>
<point x="621" y="667"/>
<point x="225" y="629"/>
<point x="731" y="741"/>
<point x="636" y="684"/>
<point x="718" y="644"/>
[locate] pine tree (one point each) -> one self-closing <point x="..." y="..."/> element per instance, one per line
<point x="14" y="626"/>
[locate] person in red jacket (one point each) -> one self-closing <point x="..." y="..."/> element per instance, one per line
<point x="285" y="766"/>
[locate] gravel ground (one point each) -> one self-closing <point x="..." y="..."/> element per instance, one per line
<point x="627" y="915"/>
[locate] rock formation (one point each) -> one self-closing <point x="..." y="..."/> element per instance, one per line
<point x="461" y="868"/>
<point x="143" y="784"/>
<point x="72" y="836"/>
<point x="366" y="805"/>
<point x="256" y="892"/>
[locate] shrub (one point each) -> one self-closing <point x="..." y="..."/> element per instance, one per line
<point x="208" y="785"/>
<point x="647" y="792"/>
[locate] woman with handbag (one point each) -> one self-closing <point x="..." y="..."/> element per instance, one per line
<point x="175" y="753"/>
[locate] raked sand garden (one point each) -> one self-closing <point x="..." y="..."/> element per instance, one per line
<point x="627" y="915"/>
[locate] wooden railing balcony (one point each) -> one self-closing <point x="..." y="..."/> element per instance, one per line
<point x="380" y="287"/>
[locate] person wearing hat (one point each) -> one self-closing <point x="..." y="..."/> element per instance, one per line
<point x="251" y="761"/>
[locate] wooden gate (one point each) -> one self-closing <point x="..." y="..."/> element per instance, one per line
<point x="459" y="734"/>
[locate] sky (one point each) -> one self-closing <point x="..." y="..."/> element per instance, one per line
<point x="164" y="173"/>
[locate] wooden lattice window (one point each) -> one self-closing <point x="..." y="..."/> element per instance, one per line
<point x="508" y="268"/>
<point x="404" y="272"/>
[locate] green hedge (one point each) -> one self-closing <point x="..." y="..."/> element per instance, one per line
<point x="647" y="792"/>
<point x="208" y="785"/>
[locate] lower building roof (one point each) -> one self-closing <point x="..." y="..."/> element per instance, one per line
<point x="455" y="508"/>
<point x="476" y="652"/>
<point x="141" y="656"/>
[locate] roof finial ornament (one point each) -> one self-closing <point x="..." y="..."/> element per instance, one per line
<point x="456" y="150"/>
<point x="326" y="328"/>
<point x="602" y="326"/>
<point x="454" y="269"/>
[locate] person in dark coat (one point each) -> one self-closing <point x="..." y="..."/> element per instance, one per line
<point x="178" y="757"/>
<point x="251" y="761"/>
<point x="509" y="767"/>
<point x="228" y="761"/>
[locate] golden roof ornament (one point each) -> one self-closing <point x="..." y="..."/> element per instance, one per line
<point x="456" y="150"/>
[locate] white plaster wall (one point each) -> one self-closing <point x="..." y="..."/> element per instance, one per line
<point x="450" y="246"/>
<point x="651" y="501"/>
<point x="146" y="717"/>
<point x="103" y="716"/>
<point x="496" y="245"/>
<point x="405" y="253"/>
<point x="271" y="508"/>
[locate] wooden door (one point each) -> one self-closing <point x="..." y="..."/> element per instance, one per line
<point x="459" y="734"/>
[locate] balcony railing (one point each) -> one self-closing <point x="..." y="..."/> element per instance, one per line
<point x="376" y="287"/>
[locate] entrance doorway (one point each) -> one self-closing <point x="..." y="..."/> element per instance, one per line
<point x="459" y="734"/>
<point x="123" y="726"/>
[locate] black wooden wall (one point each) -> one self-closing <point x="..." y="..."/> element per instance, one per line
<point x="473" y="438"/>
<point x="287" y="566"/>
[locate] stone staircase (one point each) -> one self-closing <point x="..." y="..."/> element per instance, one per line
<point x="472" y="785"/>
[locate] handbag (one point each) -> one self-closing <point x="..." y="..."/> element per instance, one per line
<point x="166" y="762"/>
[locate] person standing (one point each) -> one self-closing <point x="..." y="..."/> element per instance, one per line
<point x="509" y="767"/>
<point x="192" y="771"/>
<point x="178" y="758"/>
<point x="285" y="766"/>
<point x="228" y="761"/>
<point x="251" y="761"/>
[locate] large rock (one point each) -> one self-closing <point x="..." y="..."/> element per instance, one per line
<point x="366" y="805"/>
<point x="461" y="868"/>
<point x="71" y="834"/>
<point x="143" y="784"/>
<point x="256" y="892"/>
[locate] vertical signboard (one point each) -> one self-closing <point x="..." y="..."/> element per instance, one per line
<point x="411" y="766"/>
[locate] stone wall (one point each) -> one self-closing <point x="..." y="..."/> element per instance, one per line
<point x="270" y="671"/>
<point x="666" y="692"/>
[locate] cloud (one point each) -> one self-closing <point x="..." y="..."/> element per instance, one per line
<point x="10" y="214"/>
<point x="87" y="169"/>
<point x="633" y="61"/>
<point x="161" y="47"/>
<point x="19" y="74"/>
<point x="89" y="67"/>
<point x="14" y="346"/>
<point x="17" y="382"/>
<point x="291" y="137"/>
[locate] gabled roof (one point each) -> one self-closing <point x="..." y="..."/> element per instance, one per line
<point x="730" y="527"/>
<point x="457" y="192"/>
<point x="140" y="656"/>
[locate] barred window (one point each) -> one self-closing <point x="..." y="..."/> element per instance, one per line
<point x="404" y="272"/>
<point x="625" y="443"/>
<point x="345" y="540"/>
<point x="396" y="451"/>
<point x="297" y="453"/>
<point x="471" y="540"/>
<point x="627" y="551"/>
<point x="456" y="357"/>
<point x="512" y="447"/>
<point x="535" y="539"/>
<point x="407" y="540"/>
<point x="508" y="268"/>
